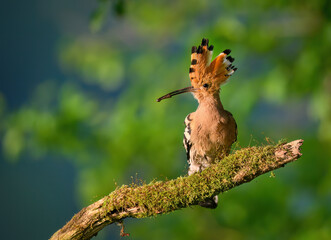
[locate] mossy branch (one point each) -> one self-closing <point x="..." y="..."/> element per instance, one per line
<point x="167" y="196"/>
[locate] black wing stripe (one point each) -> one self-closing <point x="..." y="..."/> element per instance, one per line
<point x="187" y="136"/>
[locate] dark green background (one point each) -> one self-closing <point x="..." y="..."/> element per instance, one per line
<point x="78" y="111"/>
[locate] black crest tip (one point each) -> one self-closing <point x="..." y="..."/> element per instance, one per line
<point x="194" y="49"/>
<point x="204" y="42"/>
<point x="231" y="59"/>
<point x="199" y="49"/>
<point x="227" y="51"/>
<point x="211" y="48"/>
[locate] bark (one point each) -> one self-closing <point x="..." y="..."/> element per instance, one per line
<point x="166" y="196"/>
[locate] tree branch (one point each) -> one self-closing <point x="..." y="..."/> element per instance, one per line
<point x="166" y="196"/>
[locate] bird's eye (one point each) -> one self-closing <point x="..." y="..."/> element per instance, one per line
<point x="206" y="85"/>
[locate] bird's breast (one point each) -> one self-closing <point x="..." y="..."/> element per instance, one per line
<point x="213" y="133"/>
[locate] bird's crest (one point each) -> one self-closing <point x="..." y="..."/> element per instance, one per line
<point x="206" y="76"/>
<point x="201" y="67"/>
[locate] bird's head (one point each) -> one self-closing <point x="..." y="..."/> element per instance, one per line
<point x="206" y="76"/>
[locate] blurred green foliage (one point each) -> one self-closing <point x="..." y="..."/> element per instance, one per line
<point x="105" y="119"/>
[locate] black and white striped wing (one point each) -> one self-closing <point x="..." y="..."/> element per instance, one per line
<point x="187" y="136"/>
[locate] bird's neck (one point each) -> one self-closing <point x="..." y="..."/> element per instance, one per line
<point x="211" y="103"/>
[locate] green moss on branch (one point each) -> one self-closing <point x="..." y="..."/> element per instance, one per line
<point x="167" y="196"/>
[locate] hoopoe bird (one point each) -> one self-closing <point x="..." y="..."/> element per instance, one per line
<point x="210" y="130"/>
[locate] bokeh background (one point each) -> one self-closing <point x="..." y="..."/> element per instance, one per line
<point x="78" y="115"/>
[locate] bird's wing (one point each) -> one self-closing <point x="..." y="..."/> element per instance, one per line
<point x="235" y="127"/>
<point x="187" y="135"/>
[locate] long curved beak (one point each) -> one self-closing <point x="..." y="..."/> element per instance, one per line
<point x="183" y="90"/>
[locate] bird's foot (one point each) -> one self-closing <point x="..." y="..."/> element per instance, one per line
<point x="210" y="203"/>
